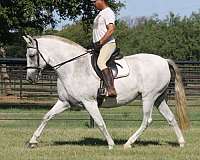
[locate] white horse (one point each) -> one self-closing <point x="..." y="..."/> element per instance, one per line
<point x="78" y="84"/>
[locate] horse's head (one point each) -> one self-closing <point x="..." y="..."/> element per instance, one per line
<point x="35" y="61"/>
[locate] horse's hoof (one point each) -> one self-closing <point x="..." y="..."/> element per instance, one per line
<point x="182" y="145"/>
<point x="110" y="147"/>
<point x="127" y="146"/>
<point x="32" y="145"/>
<point x="181" y="142"/>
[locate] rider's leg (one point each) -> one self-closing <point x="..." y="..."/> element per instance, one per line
<point x="105" y="54"/>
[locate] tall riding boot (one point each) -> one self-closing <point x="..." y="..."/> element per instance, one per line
<point x="109" y="82"/>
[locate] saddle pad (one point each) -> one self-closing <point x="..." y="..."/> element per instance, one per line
<point x="122" y="69"/>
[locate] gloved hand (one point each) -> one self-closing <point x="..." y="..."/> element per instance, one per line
<point x="97" y="46"/>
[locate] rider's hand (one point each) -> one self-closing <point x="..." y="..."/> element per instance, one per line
<point x="97" y="46"/>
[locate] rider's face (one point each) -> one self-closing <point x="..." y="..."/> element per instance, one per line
<point x="99" y="4"/>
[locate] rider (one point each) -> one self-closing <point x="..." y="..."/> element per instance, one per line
<point x="104" y="43"/>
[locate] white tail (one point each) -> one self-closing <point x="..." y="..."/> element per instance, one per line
<point x="181" y="103"/>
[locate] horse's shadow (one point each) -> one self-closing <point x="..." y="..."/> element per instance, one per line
<point x="99" y="142"/>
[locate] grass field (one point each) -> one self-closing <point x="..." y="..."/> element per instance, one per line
<point x="66" y="140"/>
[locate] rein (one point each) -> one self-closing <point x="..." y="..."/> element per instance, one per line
<point x="56" y="66"/>
<point x="68" y="61"/>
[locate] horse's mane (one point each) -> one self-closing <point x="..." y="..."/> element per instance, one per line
<point x="60" y="39"/>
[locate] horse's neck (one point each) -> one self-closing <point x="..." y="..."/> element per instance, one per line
<point x="58" y="52"/>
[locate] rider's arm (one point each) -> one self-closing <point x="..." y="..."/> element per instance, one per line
<point x="109" y="33"/>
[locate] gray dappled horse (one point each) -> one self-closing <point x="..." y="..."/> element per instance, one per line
<point x="78" y="84"/>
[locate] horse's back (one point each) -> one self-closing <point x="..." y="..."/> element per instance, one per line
<point x="147" y="62"/>
<point x="146" y="58"/>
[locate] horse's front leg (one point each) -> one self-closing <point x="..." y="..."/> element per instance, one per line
<point x="58" y="108"/>
<point x="93" y="110"/>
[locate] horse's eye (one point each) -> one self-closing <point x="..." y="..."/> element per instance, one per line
<point x="31" y="55"/>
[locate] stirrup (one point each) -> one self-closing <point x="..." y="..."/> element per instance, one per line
<point x="101" y="95"/>
<point x="102" y="90"/>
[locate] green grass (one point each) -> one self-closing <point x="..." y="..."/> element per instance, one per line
<point x="81" y="143"/>
<point x="65" y="139"/>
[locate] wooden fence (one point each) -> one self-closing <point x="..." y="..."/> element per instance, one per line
<point x="44" y="93"/>
<point x="24" y="92"/>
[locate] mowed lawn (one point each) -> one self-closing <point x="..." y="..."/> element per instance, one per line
<point x="70" y="139"/>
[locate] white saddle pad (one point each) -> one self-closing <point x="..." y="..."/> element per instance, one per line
<point x="122" y="69"/>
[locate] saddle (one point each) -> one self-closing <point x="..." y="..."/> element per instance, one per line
<point x="116" y="63"/>
<point x="119" y="69"/>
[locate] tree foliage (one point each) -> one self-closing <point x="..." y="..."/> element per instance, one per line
<point x="174" y="37"/>
<point x="18" y="17"/>
<point x="21" y="16"/>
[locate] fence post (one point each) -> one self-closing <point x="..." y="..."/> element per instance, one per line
<point x="51" y="84"/>
<point x="92" y="123"/>
<point x="21" y="76"/>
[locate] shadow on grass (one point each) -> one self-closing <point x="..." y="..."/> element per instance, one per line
<point x="173" y="144"/>
<point x="99" y="142"/>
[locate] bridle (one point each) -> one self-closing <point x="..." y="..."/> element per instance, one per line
<point x="39" y="54"/>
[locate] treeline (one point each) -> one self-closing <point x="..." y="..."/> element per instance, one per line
<point x="173" y="37"/>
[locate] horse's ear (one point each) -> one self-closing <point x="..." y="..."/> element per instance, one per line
<point x="26" y="39"/>
<point x="29" y="40"/>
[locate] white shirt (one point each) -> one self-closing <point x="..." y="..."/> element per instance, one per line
<point x="104" y="18"/>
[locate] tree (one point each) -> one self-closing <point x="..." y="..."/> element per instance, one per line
<point x="19" y="17"/>
<point x="174" y="37"/>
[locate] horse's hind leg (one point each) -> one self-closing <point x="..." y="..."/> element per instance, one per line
<point x="59" y="107"/>
<point x="147" y="111"/>
<point x="169" y="116"/>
